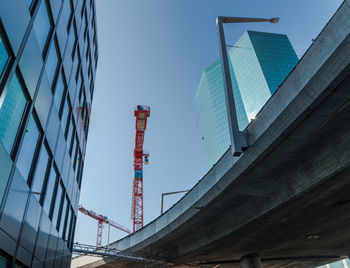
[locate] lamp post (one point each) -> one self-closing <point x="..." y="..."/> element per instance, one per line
<point x="238" y="138"/>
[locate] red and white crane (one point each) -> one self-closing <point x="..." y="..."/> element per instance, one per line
<point x="100" y="221"/>
<point x="140" y="157"/>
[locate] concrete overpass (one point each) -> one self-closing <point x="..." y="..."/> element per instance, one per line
<point x="287" y="198"/>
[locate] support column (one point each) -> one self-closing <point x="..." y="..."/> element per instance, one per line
<point x="251" y="261"/>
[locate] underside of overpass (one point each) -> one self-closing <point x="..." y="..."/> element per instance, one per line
<point x="287" y="198"/>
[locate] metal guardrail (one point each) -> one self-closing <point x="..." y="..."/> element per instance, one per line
<point x="105" y="251"/>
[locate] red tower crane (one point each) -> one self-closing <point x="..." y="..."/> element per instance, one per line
<point x="100" y="220"/>
<point x="140" y="157"/>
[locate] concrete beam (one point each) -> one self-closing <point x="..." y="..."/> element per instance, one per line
<point x="251" y="261"/>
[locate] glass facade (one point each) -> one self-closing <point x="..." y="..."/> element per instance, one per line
<point x="42" y="136"/>
<point x="339" y="264"/>
<point x="259" y="62"/>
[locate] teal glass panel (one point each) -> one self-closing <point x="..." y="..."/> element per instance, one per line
<point x="211" y="107"/>
<point x="12" y="107"/>
<point x="276" y="56"/>
<point x="27" y="150"/>
<point x="3" y="262"/>
<point x="3" y="56"/>
<point x="338" y="264"/>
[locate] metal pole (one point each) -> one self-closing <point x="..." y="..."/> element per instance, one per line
<point x="238" y="139"/>
<point x="161" y="204"/>
<point x="109" y="230"/>
<point x="169" y="193"/>
<point x="251" y="261"/>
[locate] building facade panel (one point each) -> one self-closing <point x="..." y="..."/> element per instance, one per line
<point x="45" y="59"/>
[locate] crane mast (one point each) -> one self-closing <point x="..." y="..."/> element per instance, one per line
<point x="100" y="221"/>
<point x="141" y="113"/>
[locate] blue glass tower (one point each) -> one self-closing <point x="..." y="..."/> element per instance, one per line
<point x="259" y="62"/>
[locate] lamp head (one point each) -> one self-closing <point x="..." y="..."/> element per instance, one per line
<point x="274" y="20"/>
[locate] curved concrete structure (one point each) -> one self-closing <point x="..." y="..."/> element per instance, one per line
<point x="287" y="197"/>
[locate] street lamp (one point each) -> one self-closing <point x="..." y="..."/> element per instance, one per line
<point x="238" y="138"/>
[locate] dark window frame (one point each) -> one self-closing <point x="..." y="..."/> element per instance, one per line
<point x="47" y="172"/>
<point x="7" y="68"/>
<point x="59" y="62"/>
<point x="53" y="167"/>
<point x="51" y="31"/>
<point x="38" y="146"/>
<point x="60" y="205"/>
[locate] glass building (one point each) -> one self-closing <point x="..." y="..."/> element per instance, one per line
<point x="259" y="63"/>
<point x="48" y="60"/>
<point x="339" y="264"/>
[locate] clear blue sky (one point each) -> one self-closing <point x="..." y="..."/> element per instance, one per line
<point x="153" y="53"/>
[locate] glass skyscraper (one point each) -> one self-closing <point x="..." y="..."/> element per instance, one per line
<point x="48" y="60"/>
<point x="339" y="264"/>
<point x="259" y="62"/>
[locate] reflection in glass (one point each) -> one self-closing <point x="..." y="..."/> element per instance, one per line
<point x="63" y="215"/>
<point x="57" y="203"/>
<point x="3" y="56"/>
<point x="12" y="216"/>
<point x="67" y="13"/>
<point x="59" y="92"/>
<point x="40" y="172"/>
<point x="49" y="190"/>
<point x="12" y="106"/>
<point x="66" y="232"/>
<point x="65" y="114"/>
<point x="42" y="25"/>
<point x="3" y="262"/>
<point x="31" y="223"/>
<point x="27" y="150"/>
<point x="51" y="63"/>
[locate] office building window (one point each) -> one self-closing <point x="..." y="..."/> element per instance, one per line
<point x="67" y="13"/>
<point x="13" y="103"/>
<point x="51" y="66"/>
<point x="74" y="146"/>
<point x="75" y="38"/>
<point x="3" y="262"/>
<point x="63" y="215"/>
<point x="70" y="133"/>
<point x="67" y="109"/>
<point x="66" y="230"/>
<point x="28" y="147"/>
<point x="59" y="91"/>
<point x="41" y="170"/>
<point x="50" y="186"/>
<point x="77" y="160"/>
<point x="42" y="26"/>
<point x="57" y="204"/>
<point x="4" y="57"/>
<point x="80" y="172"/>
